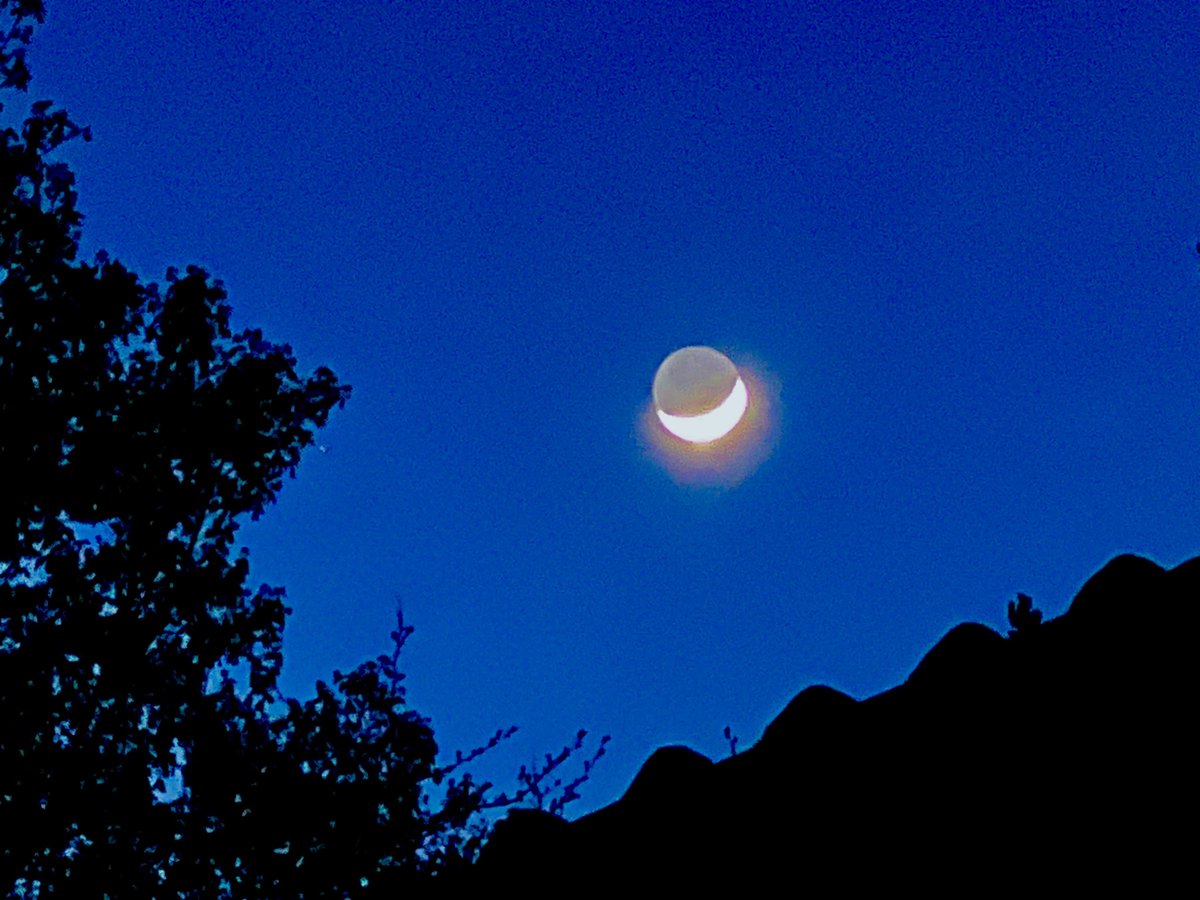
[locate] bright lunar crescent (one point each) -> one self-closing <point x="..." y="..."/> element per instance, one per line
<point x="699" y="395"/>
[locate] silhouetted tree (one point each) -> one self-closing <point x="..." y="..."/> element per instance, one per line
<point x="137" y="431"/>
<point x="733" y="740"/>
<point x="1022" y="616"/>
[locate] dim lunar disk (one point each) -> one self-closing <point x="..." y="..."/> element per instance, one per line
<point x="699" y="395"/>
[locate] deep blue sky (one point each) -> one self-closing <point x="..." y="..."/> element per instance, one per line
<point x="959" y="241"/>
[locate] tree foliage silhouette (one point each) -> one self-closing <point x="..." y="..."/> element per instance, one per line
<point x="136" y="431"/>
<point x="1022" y="616"/>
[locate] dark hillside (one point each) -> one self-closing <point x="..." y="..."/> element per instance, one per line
<point x="1056" y="754"/>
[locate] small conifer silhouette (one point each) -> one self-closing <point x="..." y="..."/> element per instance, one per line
<point x="1022" y="616"/>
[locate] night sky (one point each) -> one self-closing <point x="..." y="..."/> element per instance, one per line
<point x="954" y="246"/>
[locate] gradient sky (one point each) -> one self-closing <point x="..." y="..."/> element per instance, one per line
<point x="958" y="241"/>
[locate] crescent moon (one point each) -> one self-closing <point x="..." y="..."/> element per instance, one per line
<point x="712" y="425"/>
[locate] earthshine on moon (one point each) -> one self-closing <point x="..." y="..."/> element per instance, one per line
<point x="698" y="395"/>
<point x="709" y="422"/>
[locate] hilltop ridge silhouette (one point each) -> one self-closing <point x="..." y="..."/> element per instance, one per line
<point x="1052" y="756"/>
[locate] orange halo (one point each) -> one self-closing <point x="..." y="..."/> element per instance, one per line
<point x="729" y="459"/>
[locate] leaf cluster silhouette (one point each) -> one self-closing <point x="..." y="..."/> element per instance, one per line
<point x="137" y="430"/>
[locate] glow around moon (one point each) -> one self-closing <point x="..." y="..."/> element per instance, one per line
<point x="707" y="421"/>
